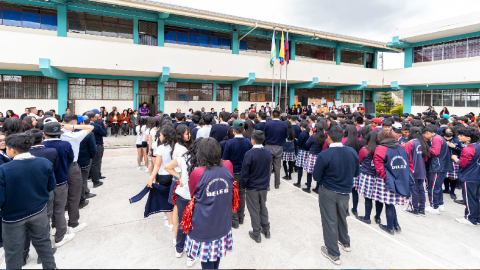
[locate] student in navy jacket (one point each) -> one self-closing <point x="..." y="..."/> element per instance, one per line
<point x="469" y="174"/>
<point x="314" y="144"/>
<point x="99" y="131"/>
<point x="351" y="139"/>
<point x="262" y="118"/>
<point x="455" y="147"/>
<point x="288" y="155"/>
<point x="88" y="150"/>
<point x="256" y="180"/>
<point x="275" y="134"/>
<point x="24" y="208"/>
<point x="405" y="132"/>
<point x="219" y="131"/>
<point x="302" y="151"/>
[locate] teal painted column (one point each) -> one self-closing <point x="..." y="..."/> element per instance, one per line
<point x="234" y="97"/>
<point x="337" y="94"/>
<point x="363" y="97"/>
<point x="235" y="43"/>
<point x="277" y="44"/>
<point x="161" y="92"/>
<point x="407" y="101"/>
<point x="135" y="31"/>
<point x="135" y="94"/>
<point x="364" y="62"/>
<point x="292" y="50"/>
<point x="62" y="96"/>
<point x="291" y="93"/>
<point x="214" y="91"/>
<point x="408" y="57"/>
<point x="62" y="24"/>
<point x="374" y="98"/>
<point x="375" y="61"/>
<point x="276" y="95"/>
<point x="338" y="55"/>
<point x="161" y="33"/>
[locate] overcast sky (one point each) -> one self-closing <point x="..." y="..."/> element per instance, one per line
<point x="370" y="19"/>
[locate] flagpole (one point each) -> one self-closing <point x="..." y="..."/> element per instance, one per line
<point x="286" y="85"/>
<point x="280" y="87"/>
<point x="273" y="69"/>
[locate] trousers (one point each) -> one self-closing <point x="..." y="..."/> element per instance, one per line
<point x="435" y="191"/>
<point x="417" y="198"/>
<point x="75" y="183"/>
<point x="472" y="204"/>
<point x="276" y="151"/>
<point x="26" y="249"/>
<point x="58" y="218"/>
<point x="256" y="204"/>
<point x="85" y="190"/>
<point x="96" y="167"/>
<point x="181" y="204"/>
<point x="240" y="214"/>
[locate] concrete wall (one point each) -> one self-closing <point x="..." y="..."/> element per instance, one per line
<point x="18" y="105"/>
<point x="453" y="110"/>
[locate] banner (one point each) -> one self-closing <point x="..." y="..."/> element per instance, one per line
<point x="338" y="102"/>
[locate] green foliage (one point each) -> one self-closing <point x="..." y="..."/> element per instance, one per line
<point x="379" y="108"/>
<point x="386" y="100"/>
<point x="398" y="110"/>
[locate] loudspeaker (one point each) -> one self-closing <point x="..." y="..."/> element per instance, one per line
<point x="304" y="101"/>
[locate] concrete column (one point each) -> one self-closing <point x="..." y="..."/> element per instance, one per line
<point x="338" y="55"/>
<point x="374" y="98"/>
<point x="235" y="43"/>
<point x="62" y="95"/>
<point x="292" y="49"/>
<point x="364" y="59"/>
<point x="337" y="94"/>
<point x="363" y="97"/>
<point x="62" y="23"/>
<point x="161" y="33"/>
<point x="276" y="96"/>
<point x="214" y="91"/>
<point x="234" y="97"/>
<point x="161" y="92"/>
<point x="408" y="57"/>
<point x="407" y="101"/>
<point x="375" y="59"/>
<point x="135" y="31"/>
<point x="135" y="94"/>
<point x="291" y="93"/>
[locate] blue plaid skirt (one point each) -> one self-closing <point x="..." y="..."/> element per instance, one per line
<point x="380" y="194"/>
<point x="453" y="174"/>
<point x="311" y="159"/>
<point x="365" y="185"/>
<point x="289" y="156"/>
<point x="302" y="158"/>
<point x="209" y="251"/>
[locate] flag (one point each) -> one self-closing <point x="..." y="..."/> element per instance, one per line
<point x="287" y="51"/>
<point x="281" y="54"/>
<point x="273" y="53"/>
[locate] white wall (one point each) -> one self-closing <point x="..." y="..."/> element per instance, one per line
<point x="453" y="110"/>
<point x="243" y="105"/>
<point x="82" y="106"/>
<point x="18" y="105"/>
<point x="172" y="106"/>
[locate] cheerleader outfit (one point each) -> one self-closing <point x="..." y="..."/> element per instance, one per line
<point x="288" y="156"/>
<point x="453" y="175"/>
<point x="313" y="150"/>
<point x="302" y="155"/>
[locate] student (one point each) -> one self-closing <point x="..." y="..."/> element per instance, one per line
<point x="275" y="134"/>
<point x="88" y="150"/>
<point x="288" y="155"/>
<point x="235" y="150"/>
<point x="141" y="145"/>
<point x="262" y="118"/>
<point x="303" y="151"/>
<point x="314" y="144"/>
<point x="204" y="132"/>
<point x="405" y="132"/>
<point x="375" y="123"/>
<point x="99" y="132"/>
<point x="418" y="151"/>
<point x="334" y="171"/>
<point x="256" y="181"/>
<point x="455" y="147"/>
<point x="150" y="133"/>
<point x="198" y="123"/>
<point x="24" y="207"/>
<point x="469" y="172"/>
<point x="219" y="131"/>
<point x="351" y="140"/>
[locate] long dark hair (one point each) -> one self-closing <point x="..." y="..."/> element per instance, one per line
<point x="371" y="142"/>
<point x="151" y="122"/>
<point x="191" y="156"/>
<point x="364" y="134"/>
<point x="304" y="124"/>
<point x="168" y="136"/>
<point x="248" y="129"/>
<point x="209" y="153"/>
<point x="11" y="113"/>
<point x="352" y="139"/>
<point x="12" y="126"/>
<point x="416" y="133"/>
<point x="290" y="132"/>
<point x="320" y="128"/>
<point x="181" y="129"/>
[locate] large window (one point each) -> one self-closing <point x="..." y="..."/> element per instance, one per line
<point x="31" y="87"/>
<point x="197" y="37"/>
<point x="99" y="25"/>
<point x="447" y="98"/>
<point x="147" y="33"/>
<point x="369" y="61"/>
<point x="181" y="91"/>
<point x="148" y="87"/>
<point x="224" y="92"/>
<point x="81" y="88"/>
<point x="351" y="96"/>
<point x="255" y="93"/>
<point x="461" y="48"/>
<point x="13" y="14"/>
<point x="351" y="57"/>
<point x="315" y="93"/>
<point x="314" y="52"/>
<point x="256" y="45"/>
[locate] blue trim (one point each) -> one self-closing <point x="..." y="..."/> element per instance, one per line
<point x="292" y="49"/>
<point x="235" y="43"/>
<point x="163" y="15"/>
<point x="135" y="94"/>
<point x="234" y="97"/>
<point x="375" y="60"/>
<point x="363" y="97"/>
<point x="161" y="33"/>
<point x="408" y="57"/>
<point x="62" y="95"/>
<point x="364" y="59"/>
<point x="338" y="55"/>
<point x="397" y="43"/>
<point x="49" y="71"/>
<point x="395" y="86"/>
<point x="447" y="86"/>
<point x="115" y="12"/>
<point x="161" y="92"/>
<point x="246" y="81"/>
<point x="198" y="24"/>
<point x="214" y="91"/>
<point x="199" y="81"/>
<point x="374" y="98"/>
<point x="20" y="72"/>
<point x="446" y="39"/>
<point x="337" y="94"/>
<point x="136" y="35"/>
<point x="353" y="87"/>
<point x="62" y="23"/>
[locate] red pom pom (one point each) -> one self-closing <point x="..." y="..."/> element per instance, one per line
<point x="235" y="198"/>
<point x="186" y="223"/>
<point x="174" y="196"/>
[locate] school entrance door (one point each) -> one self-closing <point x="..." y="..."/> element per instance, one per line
<point x="153" y="102"/>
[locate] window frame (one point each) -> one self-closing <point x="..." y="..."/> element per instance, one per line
<point x="453" y="49"/>
<point x="355" y="95"/>
<point x="42" y="11"/>
<point x="20" y="93"/>
<point x="224" y="41"/>
<point x="220" y="92"/>
<point x="302" y="48"/>
<point x="449" y="97"/>
<point x="103" y="85"/>
<point x="192" y="88"/>
<point x="258" y="89"/>
<point x="101" y="23"/>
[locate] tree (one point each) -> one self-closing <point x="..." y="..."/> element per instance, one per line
<point x="387" y="101"/>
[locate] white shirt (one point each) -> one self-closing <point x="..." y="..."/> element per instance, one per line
<point x="314" y="109"/>
<point x="23" y="156"/>
<point x="178" y="152"/>
<point x="204" y="132"/>
<point x="74" y="138"/>
<point x="164" y="152"/>
<point x="153" y="134"/>
<point x="140" y="136"/>
<point x="257" y="146"/>
<point x="184" y="191"/>
<point x="146" y="134"/>
<point x="353" y="109"/>
<point x="34" y="115"/>
<point x="337" y="144"/>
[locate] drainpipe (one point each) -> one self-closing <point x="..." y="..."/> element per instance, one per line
<point x="248" y="32"/>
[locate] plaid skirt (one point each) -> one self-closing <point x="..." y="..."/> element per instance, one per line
<point x="209" y="251"/>
<point x="365" y="185"/>
<point x="453" y="174"/>
<point x="311" y="159"/>
<point x="302" y="158"/>
<point x="289" y="156"/>
<point x="355" y="182"/>
<point x="380" y="194"/>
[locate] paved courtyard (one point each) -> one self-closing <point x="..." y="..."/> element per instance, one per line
<point x="118" y="236"/>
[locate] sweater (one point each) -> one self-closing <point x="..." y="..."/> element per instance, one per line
<point x="260" y="126"/>
<point x="255" y="175"/>
<point x="302" y="141"/>
<point x="49" y="153"/>
<point x="24" y="188"/>
<point x="469" y="164"/>
<point x="99" y="131"/>
<point x="88" y="149"/>
<point x="235" y="150"/>
<point x="65" y="157"/>
<point x="276" y="132"/>
<point x="313" y="146"/>
<point x="219" y="131"/>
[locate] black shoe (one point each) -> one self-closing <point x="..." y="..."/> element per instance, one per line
<point x="462" y="202"/>
<point x="240" y="221"/>
<point x="266" y="233"/>
<point x="378" y="220"/>
<point x="307" y="190"/>
<point x="421" y="213"/>
<point x="257" y="239"/>
<point x="25" y="260"/>
<point x="102" y="177"/>
<point x="445" y="191"/>
<point x="83" y="204"/>
<point x="297" y="185"/>
<point x="286" y="178"/>
<point x="90" y="195"/>
<point x="411" y="212"/>
<point x="39" y="261"/>
<point x="235" y="225"/>
<point x="362" y="219"/>
<point x="1" y="245"/>
<point x="315" y="190"/>
<point x="277" y="186"/>
<point x="384" y="227"/>
<point x="97" y="184"/>
<point x="397" y="228"/>
<point x="453" y="196"/>
<point x="355" y="213"/>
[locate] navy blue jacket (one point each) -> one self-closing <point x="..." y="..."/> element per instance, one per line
<point x="99" y="131"/>
<point x="260" y="126"/>
<point x="302" y="141"/>
<point x="4" y="158"/>
<point x="219" y="131"/>
<point x="65" y="157"/>
<point x="88" y="149"/>
<point x="27" y="183"/>
<point x="288" y="146"/>
<point x="276" y="132"/>
<point x="458" y="147"/>
<point x="48" y="153"/>
<point x="297" y="130"/>
<point x="191" y="126"/>
<point x="255" y="175"/>
<point x="235" y="150"/>
<point x="313" y="146"/>
<point x="440" y="129"/>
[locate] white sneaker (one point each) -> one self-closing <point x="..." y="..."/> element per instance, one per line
<point x="146" y="169"/>
<point x="441" y="208"/>
<point x="430" y="210"/>
<point x="463" y="220"/>
<point x="77" y="229"/>
<point x="53" y="231"/>
<point x="139" y="168"/>
<point x="165" y="216"/>
<point x="174" y="242"/>
<point x="191" y="262"/>
<point x="141" y="163"/>
<point x="178" y="255"/>
<point x="66" y="238"/>
<point x="66" y="216"/>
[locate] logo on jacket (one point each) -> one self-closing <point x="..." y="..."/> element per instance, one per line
<point x="398" y="159"/>
<point x="217" y="192"/>
<point x="419" y="149"/>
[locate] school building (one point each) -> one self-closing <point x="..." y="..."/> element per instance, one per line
<point x="86" y="54"/>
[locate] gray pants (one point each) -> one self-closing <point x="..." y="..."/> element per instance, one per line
<point x="26" y="250"/>
<point x="14" y="240"/>
<point x="125" y="128"/>
<point x="85" y="190"/>
<point x="276" y="151"/>
<point x="58" y="219"/>
<point x="258" y="210"/>
<point x="333" y="210"/>
<point x="240" y="214"/>
<point x="96" y="167"/>
<point x="74" y="193"/>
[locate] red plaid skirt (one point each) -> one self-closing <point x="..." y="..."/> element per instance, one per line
<point x="453" y="174"/>
<point x="311" y="159"/>
<point x="380" y="194"/>
<point x="302" y="158"/>
<point x="289" y="156"/>
<point x="209" y="251"/>
<point x="365" y="185"/>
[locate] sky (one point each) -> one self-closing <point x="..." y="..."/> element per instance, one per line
<point x="369" y="19"/>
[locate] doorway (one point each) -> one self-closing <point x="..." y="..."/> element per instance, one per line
<point x="153" y="102"/>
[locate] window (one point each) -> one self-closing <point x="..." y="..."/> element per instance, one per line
<point x="474" y="47"/>
<point x="427" y="53"/>
<point x="147" y="87"/>
<point x="459" y="98"/>
<point x="99" y="25"/>
<point x="197" y="37"/>
<point x="148" y="32"/>
<point x="27" y="16"/>
<point x="417" y="98"/>
<point x="31" y="87"/>
<point x="314" y="52"/>
<point x="181" y="91"/>
<point x="81" y="88"/>
<point x="447" y="98"/>
<point x="368" y="95"/>
<point x="256" y="45"/>
<point x="462" y="48"/>
<point x="224" y="92"/>
<point x="352" y="57"/>
<point x="315" y="93"/>
<point x="351" y="96"/>
<point x="417" y="54"/>
<point x="369" y="60"/>
<point x="255" y="93"/>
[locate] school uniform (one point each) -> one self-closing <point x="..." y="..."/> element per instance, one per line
<point x="261" y="125"/>
<point x="402" y="139"/>
<point x="276" y="132"/>
<point x="365" y="184"/>
<point x="469" y="172"/>
<point x="452" y="176"/>
<point x="302" y="151"/>
<point x="288" y="155"/>
<point x="219" y="131"/>
<point x="440" y="163"/>
<point x="88" y="150"/>
<point x="99" y="131"/>
<point x="313" y="150"/>
<point x="256" y="181"/>
<point x="355" y="179"/>
<point x="419" y="173"/>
